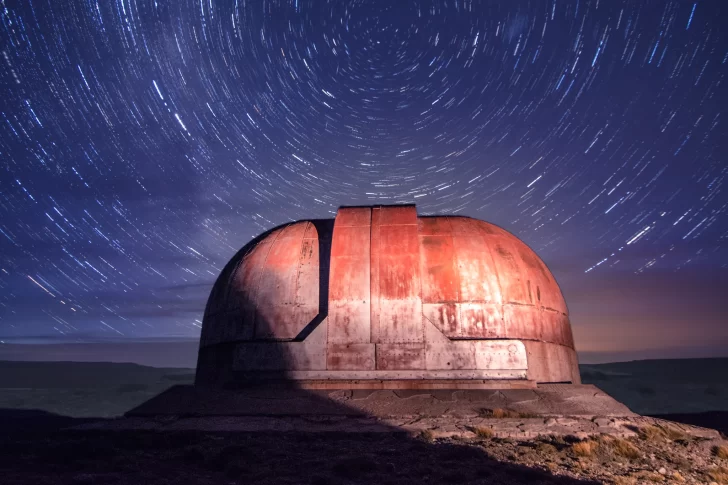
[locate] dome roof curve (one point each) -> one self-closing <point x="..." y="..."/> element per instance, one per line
<point x="379" y="293"/>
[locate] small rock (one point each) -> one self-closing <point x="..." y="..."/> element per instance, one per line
<point x="550" y="422"/>
<point x="602" y="421"/>
<point x="662" y="471"/>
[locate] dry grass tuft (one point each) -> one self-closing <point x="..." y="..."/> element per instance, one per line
<point x="500" y="413"/>
<point x="584" y="448"/>
<point x="674" y="434"/>
<point x="645" y="475"/>
<point x="657" y="433"/>
<point x="625" y="449"/>
<point x="721" y="451"/>
<point x="652" y="433"/>
<point x="427" y="435"/>
<point x="484" y="433"/>
<point x="719" y="474"/>
<point x="619" y="480"/>
<point x="546" y="448"/>
<point x="677" y="477"/>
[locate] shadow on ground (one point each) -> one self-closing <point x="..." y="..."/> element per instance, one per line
<point x="36" y="450"/>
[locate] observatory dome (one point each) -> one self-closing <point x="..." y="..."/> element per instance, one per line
<point x="381" y="297"/>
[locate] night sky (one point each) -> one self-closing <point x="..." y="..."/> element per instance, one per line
<point x="142" y="143"/>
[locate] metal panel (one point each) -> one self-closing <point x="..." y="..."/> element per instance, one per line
<point x="398" y="215"/>
<point x="500" y="354"/>
<point x="522" y="321"/>
<point x="549" y="362"/>
<point x="400" y="356"/>
<point x="478" y="277"/>
<point x="480" y="320"/>
<point x="440" y="280"/>
<point x="443" y="354"/>
<point x="374" y="281"/>
<point x="397" y="254"/>
<point x="353" y="216"/>
<point x="444" y="316"/>
<point x="349" y="287"/>
<point x="547" y="291"/>
<point x="513" y="282"/>
<point x="350" y="356"/>
<point x="309" y="355"/>
<point x="281" y="311"/>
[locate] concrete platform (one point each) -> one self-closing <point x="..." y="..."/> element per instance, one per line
<point x="435" y="427"/>
<point x="552" y="409"/>
<point x="544" y="400"/>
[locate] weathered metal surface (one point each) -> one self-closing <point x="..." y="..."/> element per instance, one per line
<point x="349" y="287"/>
<point x="407" y="298"/>
<point x="396" y="303"/>
<point x="417" y="384"/>
<point x="400" y="374"/>
<point x="343" y="357"/>
<point x="283" y="356"/>
<point x="281" y="312"/>
<point x="551" y="363"/>
<point x="401" y="356"/>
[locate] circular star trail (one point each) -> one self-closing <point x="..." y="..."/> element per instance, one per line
<point x="143" y="142"/>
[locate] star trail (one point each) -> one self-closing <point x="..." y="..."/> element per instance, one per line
<point x="143" y="142"/>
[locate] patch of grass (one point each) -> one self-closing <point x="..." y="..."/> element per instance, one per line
<point x="625" y="449"/>
<point x="651" y="433"/>
<point x="584" y="448"/>
<point x="546" y="448"/>
<point x="720" y="451"/>
<point x="677" y="477"/>
<point x="675" y="434"/>
<point x="719" y="474"/>
<point x="644" y="476"/>
<point x="484" y="433"/>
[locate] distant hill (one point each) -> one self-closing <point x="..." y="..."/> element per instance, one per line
<point x="83" y="389"/>
<point x="664" y="386"/>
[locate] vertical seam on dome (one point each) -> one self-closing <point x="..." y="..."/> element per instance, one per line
<point x="300" y="264"/>
<point x="260" y="276"/>
<point x="497" y="277"/>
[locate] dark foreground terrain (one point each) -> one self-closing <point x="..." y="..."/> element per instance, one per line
<point x="45" y="454"/>
<point x="39" y="399"/>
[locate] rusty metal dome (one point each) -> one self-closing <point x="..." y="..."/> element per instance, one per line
<point x="379" y="297"/>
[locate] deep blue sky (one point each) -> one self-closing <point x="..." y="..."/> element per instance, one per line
<point x="142" y="143"/>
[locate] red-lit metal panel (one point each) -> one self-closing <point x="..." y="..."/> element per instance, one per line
<point x="397" y="253"/>
<point x="307" y="283"/>
<point x="513" y="284"/>
<point x="281" y="312"/>
<point x="481" y="320"/>
<point x="547" y="291"/>
<point x="444" y="316"/>
<point x="439" y="276"/>
<point x="374" y="277"/>
<point x="349" y="293"/>
<point x="478" y="277"/>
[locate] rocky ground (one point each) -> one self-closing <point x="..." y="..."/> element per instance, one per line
<point x="656" y="454"/>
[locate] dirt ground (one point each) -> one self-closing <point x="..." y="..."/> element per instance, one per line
<point x="44" y="454"/>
